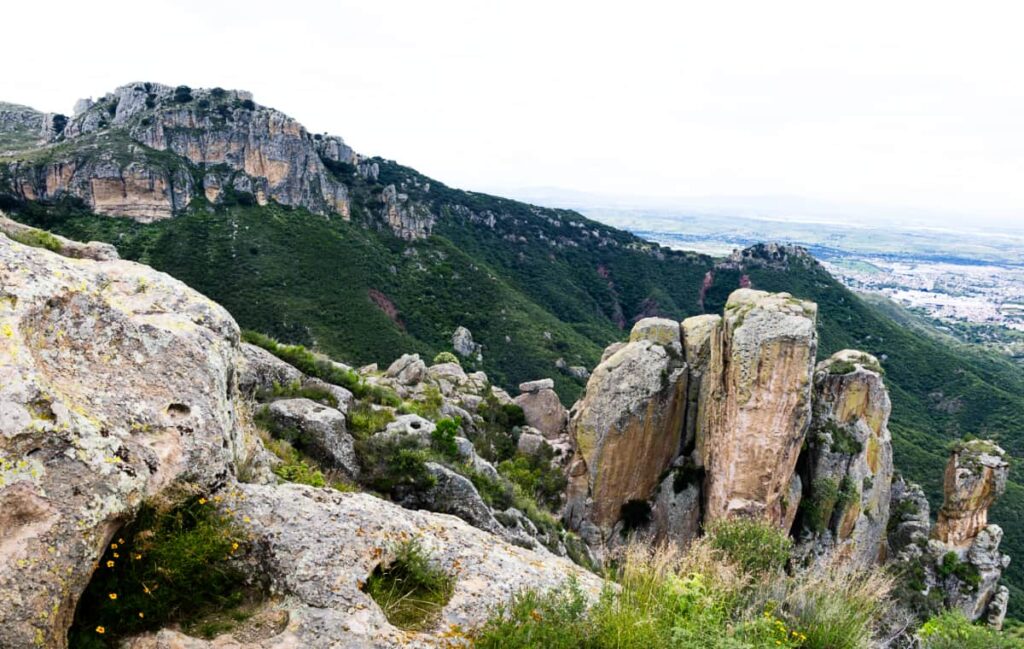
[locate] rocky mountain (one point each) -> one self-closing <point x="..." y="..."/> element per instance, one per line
<point x="358" y="257"/>
<point x="125" y="390"/>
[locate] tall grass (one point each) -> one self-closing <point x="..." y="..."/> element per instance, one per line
<point x="713" y="596"/>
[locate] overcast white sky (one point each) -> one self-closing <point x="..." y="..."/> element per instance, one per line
<point x="899" y="104"/>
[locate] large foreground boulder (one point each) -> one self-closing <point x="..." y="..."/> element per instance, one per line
<point x="318" y="547"/>
<point x="116" y="383"/>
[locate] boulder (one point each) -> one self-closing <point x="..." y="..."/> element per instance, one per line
<point x="537" y="386"/>
<point x="702" y="342"/>
<point x="543" y="410"/>
<point x="407" y="370"/>
<point x="116" y="384"/>
<point x="627" y="428"/>
<point x="462" y="342"/>
<point x="452" y="494"/>
<point x="676" y="511"/>
<point x="411" y="425"/>
<point x="849" y="461"/>
<point x="95" y="250"/>
<point x="318" y="430"/>
<point x="758" y="405"/>
<point x="909" y="517"/>
<point x="342" y="396"/>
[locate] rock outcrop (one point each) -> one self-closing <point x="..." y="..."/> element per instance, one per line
<point x="116" y="383"/>
<point x="758" y="405"/>
<point x="961" y="566"/>
<point x="627" y="428"/>
<point x="95" y="250"/>
<point x="975" y="477"/>
<point x="318" y="430"/>
<point x="132" y="153"/>
<point x="848" y="472"/>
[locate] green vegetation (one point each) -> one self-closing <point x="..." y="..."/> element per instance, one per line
<point x="446" y="357"/>
<point x="170" y="565"/>
<point x="952" y="630"/>
<point x="37" y="239"/>
<point x="296" y="389"/>
<point x="965" y="572"/>
<point x="698" y="601"/>
<point x="536" y="476"/>
<point x="410" y="590"/>
<point x="757" y="548"/>
<point x="364" y="419"/>
<point x="442" y="438"/>
<point x="392" y="461"/>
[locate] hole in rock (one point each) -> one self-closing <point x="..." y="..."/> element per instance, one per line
<point x="178" y="411"/>
<point x="635" y="514"/>
<point x="411" y="589"/>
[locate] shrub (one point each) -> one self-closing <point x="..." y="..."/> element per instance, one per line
<point x="841" y="367"/>
<point x="429" y="407"/>
<point x="442" y="438"/>
<point x="951" y="630"/>
<point x="817" y="510"/>
<point x="755" y="546"/>
<point x="446" y="357"/>
<point x="536" y="476"/>
<point x="836" y="610"/>
<point x="182" y="94"/>
<point x="965" y="572"/>
<point x="293" y="467"/>
<point x="169" y="565"/>
<point x="248" y="104"/>
<point x="409" y="590"/>
<point x="364" y="419"/>
<point x="37" y="239"/>
<point x="389" y="462"/>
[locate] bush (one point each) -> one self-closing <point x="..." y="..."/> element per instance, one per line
<point x="442" y="438"/>
<point x="365" y="420"/>
<point x="446" y="357"/>
<point x="182" y="94"/>
<point x="951" y="630"/>
<point x="965" y="572"/>
<point x="409" y="590"/>
<point x="390" y="462"/>
<point x="755" y="546"/>
<point x="168" y="566"/>
<point x="536" y="476"/>
<point x="248" y="104"/>
<point x="429" y="407"/>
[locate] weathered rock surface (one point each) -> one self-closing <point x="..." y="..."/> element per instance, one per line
<point x="849" y="461"/>
<point x="759" y="406"/>
<point x="116" y="383"/>
<point x="260" y="371"/>
<point x="627" y="428"/>
<point x="317" y="429"/>
<point x="409" y="369"/>
<point x="975" y="477"/>
<point x="676" y="512"/>
<point x="319" y="546"/>
<point x="542" y="408"/>
<point x="452" y="494"/>
<point x="407" y="219"/>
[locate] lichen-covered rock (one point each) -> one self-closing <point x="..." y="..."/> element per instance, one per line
<point x="909" y="519"/>
<point x="849" y="462"/>
<point x="975" y="477"/>
<point x="702" y="350"/>
<point x="759" y="404"/>
<point x="116" y="383"/>
<point x="676" y="512"/>
<point x="627" y="428"/>
<point x="317" y="429"/>
<point x="318" y="547"/>
<point x="407" y="219"/>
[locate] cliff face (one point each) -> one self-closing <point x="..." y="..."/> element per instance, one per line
<point x="146" y="151"/>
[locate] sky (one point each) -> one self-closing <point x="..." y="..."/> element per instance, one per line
<point x="890" y="107"/>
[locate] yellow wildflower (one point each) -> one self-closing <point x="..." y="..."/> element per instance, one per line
<point x="141" y="614"/>
<point x="202" y="501"/>
<point x="113" y="546"/>
<point x="117" y="556"/>
<point x="112" y="596"/>
<point x="100" y="630"/>
<point x="110" y="564"/>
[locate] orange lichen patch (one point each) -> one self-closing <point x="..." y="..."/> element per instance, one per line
<point x="854" y="403"/>
<point x="849" y="519"/>
<point x="873" y="454"/>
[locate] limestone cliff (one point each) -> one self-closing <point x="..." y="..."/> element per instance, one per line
<point x="145" y="151"/>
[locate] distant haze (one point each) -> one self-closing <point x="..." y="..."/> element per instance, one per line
<point x="875" y="110"/>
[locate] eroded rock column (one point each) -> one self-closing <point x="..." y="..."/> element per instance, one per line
<point x="757" y="413"/>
